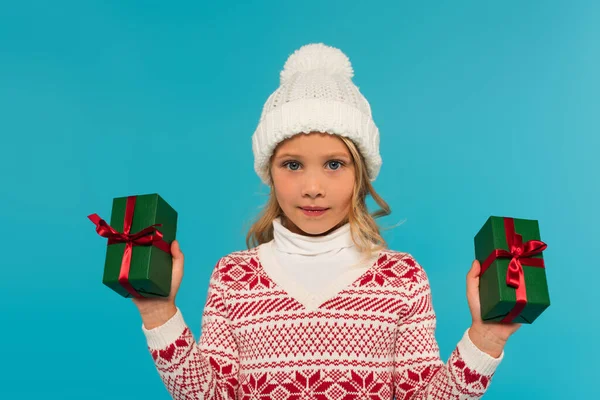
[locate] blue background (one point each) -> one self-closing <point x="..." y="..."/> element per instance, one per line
<point x="484" y="109"/>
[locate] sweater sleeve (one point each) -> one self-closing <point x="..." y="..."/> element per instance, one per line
<point x="207" y="369"/>
<point x="419" y="372"/>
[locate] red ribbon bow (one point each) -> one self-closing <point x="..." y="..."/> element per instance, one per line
<point x="520" y="254"/>
<point x="149" y="236"/>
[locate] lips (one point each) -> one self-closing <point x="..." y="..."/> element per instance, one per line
<point x="314" y="211"/>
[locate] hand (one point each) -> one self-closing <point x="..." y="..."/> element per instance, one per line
<point x="489" y="337"/>
<point x="159" y="307"/>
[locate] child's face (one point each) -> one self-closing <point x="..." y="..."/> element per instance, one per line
<point x="313" y="170"/>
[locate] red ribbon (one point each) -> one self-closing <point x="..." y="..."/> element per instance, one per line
<point x="520" y="254"/>
<point x="149" y="236"/>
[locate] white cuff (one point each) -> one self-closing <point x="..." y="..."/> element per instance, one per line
<point x="476" y="359"/>
<point x="165" y="334"/>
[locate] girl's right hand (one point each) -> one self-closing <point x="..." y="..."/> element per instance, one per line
<point x="156" y="311"/>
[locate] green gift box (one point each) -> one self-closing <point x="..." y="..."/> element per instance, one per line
<point x="138" y="259"/>
<point x="512" y="283"/>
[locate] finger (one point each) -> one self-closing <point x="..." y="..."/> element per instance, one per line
<point x="475" y="270"/>
<point x="473" y="279"/>
<point x="473" y="291"/>
<point x="176" y="253"/>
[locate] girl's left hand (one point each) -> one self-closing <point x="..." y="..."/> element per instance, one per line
<point x="488" y="336"/>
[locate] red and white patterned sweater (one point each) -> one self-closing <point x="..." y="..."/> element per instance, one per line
<point x="374" y="339"/>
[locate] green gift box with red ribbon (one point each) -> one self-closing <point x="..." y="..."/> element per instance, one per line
<point x="138" y="259"/>
<point x="512" y="282"/>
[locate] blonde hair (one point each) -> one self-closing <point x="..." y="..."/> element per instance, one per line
<point x="365" y="232"/>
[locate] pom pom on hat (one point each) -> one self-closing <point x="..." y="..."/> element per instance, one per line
<point x="317" y="56"/>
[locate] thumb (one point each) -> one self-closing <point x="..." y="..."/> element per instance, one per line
<point x="473" y="291"/>
<point x="177" y="255"/>
<point x="475" y="269"/>
<point x="473" y="279"/>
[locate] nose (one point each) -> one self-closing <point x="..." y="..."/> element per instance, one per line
<point x="312" y="186"/>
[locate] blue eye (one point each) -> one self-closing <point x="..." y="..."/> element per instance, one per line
<point x="292" y="165"/>
<point x="334" y="165"/>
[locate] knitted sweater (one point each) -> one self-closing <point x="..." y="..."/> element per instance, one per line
<point x="373" y="339"/>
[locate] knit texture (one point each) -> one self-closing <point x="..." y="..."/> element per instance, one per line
<point x="316" y="94"/>
<point x="375" y="339"/>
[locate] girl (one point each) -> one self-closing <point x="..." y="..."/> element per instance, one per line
<point x="318" y="307"/>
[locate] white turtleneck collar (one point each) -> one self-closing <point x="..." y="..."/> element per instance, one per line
<point x="312" y="269"/>
<point x="286" y="241"/>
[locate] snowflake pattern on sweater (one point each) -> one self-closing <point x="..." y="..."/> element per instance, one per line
<point x="375" y="339"/>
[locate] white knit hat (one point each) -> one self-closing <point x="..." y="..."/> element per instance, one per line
<point x="316" y="94"/>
